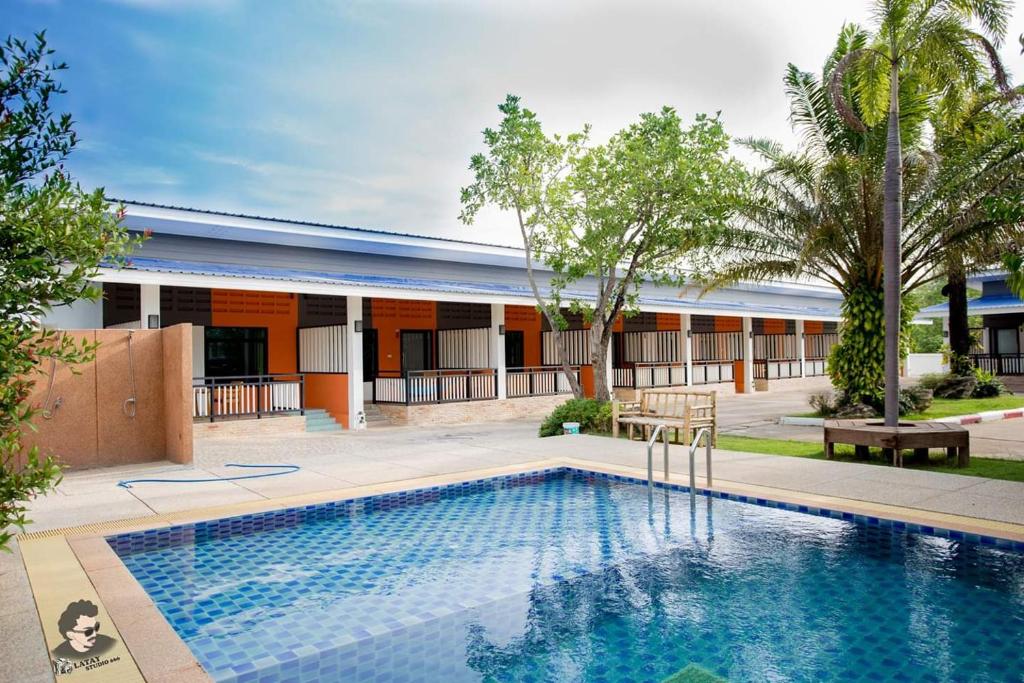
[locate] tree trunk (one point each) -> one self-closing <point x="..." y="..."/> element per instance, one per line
<point x="892" y="227"/>
<point x="599" y="360"/>
<point x="959" y="330"/>
<point x="570" y="376"/>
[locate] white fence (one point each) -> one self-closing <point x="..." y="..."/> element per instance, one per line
<point x="218" y="397"/>
<point x="466" y="348"/>
<point x="712" y="372"/>
<point x="577" y="347"/>
<point x="436" y="386"/>
<point x="648" y="375"/>
<point x="322" y="349"/>
<point x="652" y="347"/>
<point x="717" y="346"/>
<point x="537" y="381"/>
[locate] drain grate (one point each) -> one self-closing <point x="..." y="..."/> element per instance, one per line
<point x="94" y="528"/>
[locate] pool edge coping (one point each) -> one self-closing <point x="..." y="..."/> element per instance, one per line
<point x="161" y="658"/>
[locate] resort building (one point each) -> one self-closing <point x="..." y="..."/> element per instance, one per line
<point x="290" y="316"/>
<point x="1000" y="336"/>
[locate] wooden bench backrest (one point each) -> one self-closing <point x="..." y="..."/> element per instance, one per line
<point x="672" y="403"/>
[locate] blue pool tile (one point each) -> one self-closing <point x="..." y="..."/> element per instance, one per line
<point x="563" y="574"/>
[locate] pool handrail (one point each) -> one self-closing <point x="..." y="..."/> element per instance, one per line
<point x="663" y="430"/>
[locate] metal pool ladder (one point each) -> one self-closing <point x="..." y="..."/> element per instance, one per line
<point x="663" y="430"/>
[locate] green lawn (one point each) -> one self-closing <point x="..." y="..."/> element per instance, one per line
<point x="947" y="407"/>
<point x="1010" y="470"/>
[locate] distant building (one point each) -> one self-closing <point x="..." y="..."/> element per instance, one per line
<point x="1001" y="336"/>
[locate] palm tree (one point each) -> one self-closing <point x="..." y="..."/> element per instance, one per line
<point x="990" y="116"/>
<point x="934" y="41"/>
<point x="818" y="212"/>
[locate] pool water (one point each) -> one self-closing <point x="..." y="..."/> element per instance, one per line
<point x="564" y="576"/>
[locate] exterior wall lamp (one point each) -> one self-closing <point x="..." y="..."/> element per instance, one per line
<point x="153" y="321"/>
<point x="501" y="330"/>
<point x="358" y="326"/>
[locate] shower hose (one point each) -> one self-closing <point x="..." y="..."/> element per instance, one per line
<point x="284" y="469"/>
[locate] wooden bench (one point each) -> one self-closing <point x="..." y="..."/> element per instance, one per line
<point x="916" y="436"/>
<point x="682" y="411"/>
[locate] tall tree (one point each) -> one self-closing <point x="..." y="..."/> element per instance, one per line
<point x="607" y="217"/>
<point x="990" y="115"/>
<point x="935" y="43"/>
<point x="53" y="236"/>
<point x="517" y="174"/>
<point x="630" y="211"/>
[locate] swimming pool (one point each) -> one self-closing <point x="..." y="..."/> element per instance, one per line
<point x="565" y="575"/>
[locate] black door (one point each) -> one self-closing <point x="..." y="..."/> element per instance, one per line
<point x="370" y="366"/>
<point x="514" y="352"/>
<point x="416" y="350"/>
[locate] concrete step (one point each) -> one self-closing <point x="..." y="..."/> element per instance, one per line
<point x="319" y="420"/>
<point x="374" y="416"/>
<point x="332" y="427"/>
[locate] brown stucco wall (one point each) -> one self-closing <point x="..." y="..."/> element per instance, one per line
<point x="177" y="369"/>
<point x="90" y="427"/>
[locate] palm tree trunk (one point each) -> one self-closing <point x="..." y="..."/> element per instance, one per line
<point x="892" y="227"/>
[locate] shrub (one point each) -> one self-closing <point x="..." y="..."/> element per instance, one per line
<point x="823" y="403"/>
<point x="918" y="399"/>
<point x="593" y="416"/>
<point x="956" y="386"/>
<point x="988" y="385"/>
<point x="932" y="380"/>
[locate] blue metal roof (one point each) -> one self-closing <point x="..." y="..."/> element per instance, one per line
<point x="222" y="226"/>
<point x="445" y="286"/>
<point x="292" y="221"/>
<point x="984" y="304"/>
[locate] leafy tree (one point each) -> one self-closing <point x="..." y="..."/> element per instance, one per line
<point x="53" y="236"/>
<point x="934" y="44"/>
<point x="629" y="211"/>
<point x="610" y="216"/>
<point x="517" y="173"/>
<point x="818" y="211"/>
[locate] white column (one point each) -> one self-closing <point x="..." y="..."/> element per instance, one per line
<point x="354" y="362"/>
<point x="748" y="355"/>
<point x="497" y="347"/>
<point x="801" y="348"/>
<point x="687" y="342"/>
<point x="149" y="296"/>
<point x="610" y="370"/>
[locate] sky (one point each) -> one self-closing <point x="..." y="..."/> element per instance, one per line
<point x="366" y="113"/>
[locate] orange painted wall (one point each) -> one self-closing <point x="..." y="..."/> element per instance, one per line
<point x="278" y="312"/>
<point x="774" y="326"/>
<point x="724" y="323"/>
<point x="526" y="319"/>
<point x="814" y="327"/>
<point x="390" y="316"/>
<point x="330" y="392"/>
<point x="587" y="379"/>
<point x="738" y="376"/>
